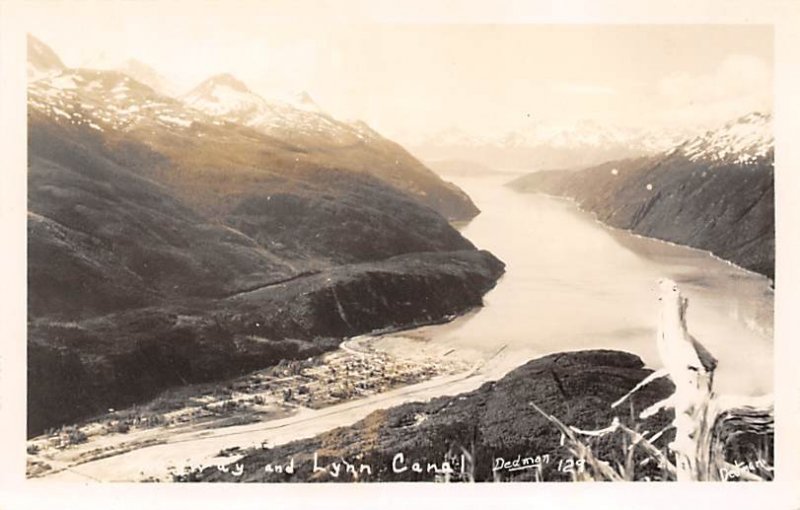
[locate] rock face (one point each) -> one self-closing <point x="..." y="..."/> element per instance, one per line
<point x="166" y="246"/>
<point x="493" y="421"/>
<point x="714" y="192"/>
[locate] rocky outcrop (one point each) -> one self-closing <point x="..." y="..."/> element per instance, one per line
<point x="496" y="434"/>
<point x="494" y="421"/>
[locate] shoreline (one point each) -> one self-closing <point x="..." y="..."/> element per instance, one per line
<point x="594" y="217"/>
<point x="108" y="453"/>
<point x="206" y="438"/>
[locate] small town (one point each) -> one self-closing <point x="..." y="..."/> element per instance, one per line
<point x="356" y="370"/>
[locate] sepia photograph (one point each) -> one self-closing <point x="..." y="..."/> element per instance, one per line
<point x="263" y="247"/>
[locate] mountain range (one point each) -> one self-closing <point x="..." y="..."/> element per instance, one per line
<point x="714" y="191"/>
<point x="545" y="145"/>
<point x="171" y="243"/>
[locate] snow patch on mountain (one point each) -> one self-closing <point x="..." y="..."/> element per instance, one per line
<point x="106" y="100"/>
<point x="226" y="97"/>
<point x="743" y="141"/>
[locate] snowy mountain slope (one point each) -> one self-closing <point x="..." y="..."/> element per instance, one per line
<point x="591" y="134"/>
<point x="351" y="145"/>
<point x="744" y="141"/>
<point x="114" y="102"/>
<point x="107" y="101"/>
<point x="549" y="145"/>
<point x="131" y="96"/>
<point x="225" y="96"/>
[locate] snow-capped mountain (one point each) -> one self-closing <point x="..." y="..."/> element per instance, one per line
<point x="746" y="141"/>
<point x="227" y="97"/>
<point x="585" y="133"/>
<point x="589" y="134"/>
<point x="111" y="100"/>
<point x="223" y="112"/>
<point x="222" y="94"/>
<point x="42" y="61"/>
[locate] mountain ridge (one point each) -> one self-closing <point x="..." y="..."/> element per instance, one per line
<point x="548" y="145"/>
<point x="351" y="145"/>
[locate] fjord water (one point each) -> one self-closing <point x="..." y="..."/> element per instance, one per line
<point x="572" y="283"/>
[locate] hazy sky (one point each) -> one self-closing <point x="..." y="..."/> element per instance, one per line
<point x="409" y="79"/>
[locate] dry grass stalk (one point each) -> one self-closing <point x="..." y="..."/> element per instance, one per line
<point x="704" y="422"/>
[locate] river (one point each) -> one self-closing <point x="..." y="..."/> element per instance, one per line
<point x="573" y="283"/>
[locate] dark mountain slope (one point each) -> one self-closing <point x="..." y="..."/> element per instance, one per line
<point x="162" y="242"/>
<point x="691" y="195"/>
<point x="102" y="238"/>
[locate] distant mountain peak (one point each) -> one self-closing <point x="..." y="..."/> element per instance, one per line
<point x="144" y="73"/>
<point x="42" y="60"/>
<point x="303" y="97"/>
<point x="550" y="144"/>
<point x="225" y="80"/>
<point x="304" y="101"/>
<point x="223" y="95"/>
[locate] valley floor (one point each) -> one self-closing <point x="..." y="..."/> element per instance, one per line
<point x="203" y="425"/>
